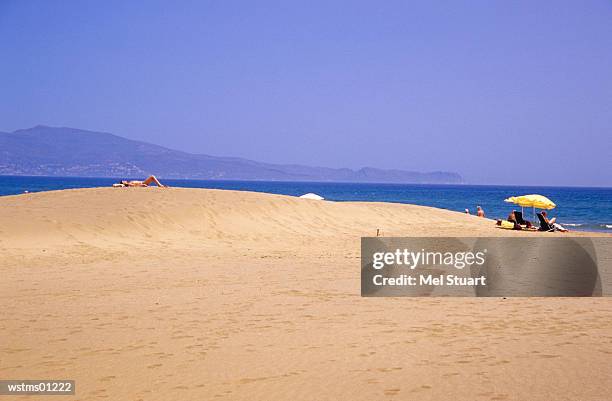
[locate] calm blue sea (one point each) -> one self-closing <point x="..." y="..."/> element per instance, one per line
<point x="578" y="208"/>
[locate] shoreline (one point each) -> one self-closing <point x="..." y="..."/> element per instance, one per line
<point x="586" y="209"/>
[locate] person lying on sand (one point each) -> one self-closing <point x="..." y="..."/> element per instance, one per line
<point x="145" y="183"/>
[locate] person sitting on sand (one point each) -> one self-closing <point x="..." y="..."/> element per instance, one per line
<point x="480" y="212"/>
<point x="145" y="183"/>
<point x="518" y="216"/>
<point x="512" y="217"/>
<point x="552" y="222"/>
<point x="549" y="221"/>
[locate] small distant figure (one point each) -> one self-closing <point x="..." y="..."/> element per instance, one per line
<point x="480" y="212"/>
<point x="467" y="211"/>
<point x="145" y="183"/>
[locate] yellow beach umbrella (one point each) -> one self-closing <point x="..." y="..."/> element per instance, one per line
<point x="535" y="201"/>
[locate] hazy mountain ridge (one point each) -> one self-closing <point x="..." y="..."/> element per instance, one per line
<point x="52" y="151"/>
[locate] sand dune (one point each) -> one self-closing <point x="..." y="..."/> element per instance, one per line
<point x="108" y="215"/>
<point x="153" y="294"/>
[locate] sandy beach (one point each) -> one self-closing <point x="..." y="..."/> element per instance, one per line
<point x="193" y="294"/>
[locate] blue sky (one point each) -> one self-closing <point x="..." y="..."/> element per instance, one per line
<point x="502" y="92"/>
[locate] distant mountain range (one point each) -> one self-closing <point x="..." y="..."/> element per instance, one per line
<point x="54" y="151"/>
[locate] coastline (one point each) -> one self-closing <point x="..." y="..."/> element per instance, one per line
<point x="245" y="295"/>
<point x="579" y="208"/>
<point x="68" y="212"/>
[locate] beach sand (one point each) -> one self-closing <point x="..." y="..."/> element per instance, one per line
<point x="192" y="294"/>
